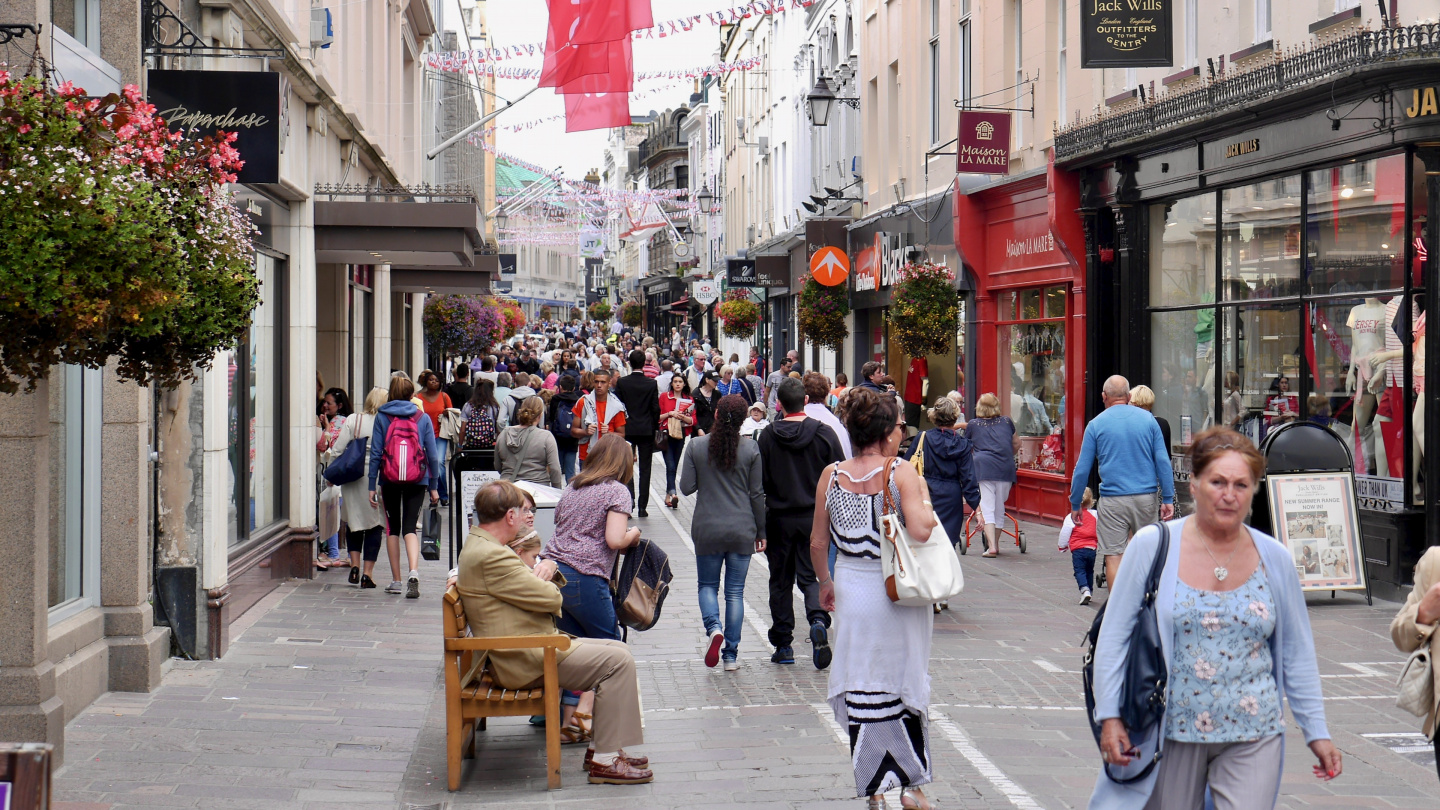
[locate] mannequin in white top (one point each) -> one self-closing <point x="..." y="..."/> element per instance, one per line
<point x="1368" y="325"/>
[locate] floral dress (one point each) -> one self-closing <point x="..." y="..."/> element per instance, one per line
<point x="1222" y="676"/>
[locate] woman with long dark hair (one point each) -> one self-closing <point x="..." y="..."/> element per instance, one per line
<point x="677" y="419"/>
<point x="728" y="524"/>
<point x="482" y="400"/>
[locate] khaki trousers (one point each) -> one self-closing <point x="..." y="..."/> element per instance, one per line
<point x="1241" y="776"/>
<point x="607" y="668"/>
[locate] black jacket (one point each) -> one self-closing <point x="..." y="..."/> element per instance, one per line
<point x="566" y="401"/>
<point x="642" y="405"/>
<point x="793" y="455"/>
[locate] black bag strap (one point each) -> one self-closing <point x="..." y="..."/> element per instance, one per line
<point x="1152" y="591"/>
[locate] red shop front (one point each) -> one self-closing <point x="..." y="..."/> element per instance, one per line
<point x="1023" y="242"/>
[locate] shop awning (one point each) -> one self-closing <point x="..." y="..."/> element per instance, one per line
<point x="450" y="282"/>
<point x="681" y="303"/>
<point x="423" y="229"/>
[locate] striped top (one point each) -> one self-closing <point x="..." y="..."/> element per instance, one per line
<point x="855" y="517"/>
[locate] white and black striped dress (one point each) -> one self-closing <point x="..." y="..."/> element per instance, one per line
<point x="880" y="677"/>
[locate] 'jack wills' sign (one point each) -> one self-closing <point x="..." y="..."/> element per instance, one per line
<point x="1126" y="33"/>
<point x="198" y="102"/>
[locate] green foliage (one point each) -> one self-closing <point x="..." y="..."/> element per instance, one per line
<point x="738" y="314"/>
<point x="600" y="311"/>
<point x="632" y="314"/>
<point x="923" y="309"/>
<point x="822" y="313"/>
<point x="117" y="238"/>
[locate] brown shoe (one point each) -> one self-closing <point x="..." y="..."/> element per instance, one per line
<point x="635" y="762"/>
<point x="619" y="772"/>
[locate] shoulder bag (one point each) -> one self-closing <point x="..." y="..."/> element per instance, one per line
<point x="1145" y="687"/>
<point x="350" y="466"/>
<point x="916" y="574"/>
<point x="1417" y="683"/>
<point x="918" y="460"/>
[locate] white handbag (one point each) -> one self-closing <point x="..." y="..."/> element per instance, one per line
<point x="1417" y="683"/>
<point x="916" y="574"/>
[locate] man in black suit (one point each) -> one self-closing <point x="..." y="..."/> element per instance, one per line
<point x="642" y="407"/>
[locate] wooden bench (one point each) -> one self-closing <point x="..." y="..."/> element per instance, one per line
<point x="469" y="701"/>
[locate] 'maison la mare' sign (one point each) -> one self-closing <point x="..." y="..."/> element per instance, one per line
<point x="983" y="143"/>
<point x="247" y="103"/>
<point x="1126" y="33"/>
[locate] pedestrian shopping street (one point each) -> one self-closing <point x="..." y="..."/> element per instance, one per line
<point x="331" y="697"/>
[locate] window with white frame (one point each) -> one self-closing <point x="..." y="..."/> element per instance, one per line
<point x="1262" y="20"/>
<point x="966" y="58"/>
<point x="934" y="71"/>
<point x="1062" y="37"/>
<point x="75" y="408"/>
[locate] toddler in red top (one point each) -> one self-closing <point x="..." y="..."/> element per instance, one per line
<point x="1079" y="539"/>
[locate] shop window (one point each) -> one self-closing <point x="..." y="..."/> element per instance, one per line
<point x="1260" y="251"/>
<point x="1032" y="373"/>
<point x="256" y="397"/>
<point x="1355" y="226"/>
<point x="75" y="406"/>
<point x="1182" y="252"/>
<point x="1262" y="347"/>
<point x="1182" y="376"/>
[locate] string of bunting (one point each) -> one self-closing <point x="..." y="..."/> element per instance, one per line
<point x="588" y="190"/>
<point x="727" y="16"/>
<point x="465" y="62"/>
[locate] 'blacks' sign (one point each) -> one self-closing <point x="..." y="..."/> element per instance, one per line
<point x="198" y="102"/>
<point x="1126" y="33"/>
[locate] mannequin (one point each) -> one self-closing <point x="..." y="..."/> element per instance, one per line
<point x="1388" y="385"/>
<point x="1368" y="325"/>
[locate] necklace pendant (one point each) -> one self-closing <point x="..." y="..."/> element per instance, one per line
<point x="1221" y="572"/>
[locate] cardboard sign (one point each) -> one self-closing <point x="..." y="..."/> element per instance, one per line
<point x="1313" y="514"/>
<point x="1126" y="33"/>
<point x="830" y="266"/>
<point x="983" y="143"/>
<point x="199" y="102"/>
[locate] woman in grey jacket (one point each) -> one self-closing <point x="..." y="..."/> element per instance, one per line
<point x="728" y="524"/>
<point x="528" y="452"/>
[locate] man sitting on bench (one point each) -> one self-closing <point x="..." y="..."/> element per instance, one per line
<point x="504" y="598"/>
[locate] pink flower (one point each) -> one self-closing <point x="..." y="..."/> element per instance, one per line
<point x="1250" y="705"/>
<point x="126" y="132"/>
<point x="1204" y="670"/>
<point x="67" y="88"/>
<point x="24" y="128"/>
<point x="1211" y="622"/>
<point x="132" y="94"/>
<point x="1203" y="723"/>
<point x="1259" y="609"/>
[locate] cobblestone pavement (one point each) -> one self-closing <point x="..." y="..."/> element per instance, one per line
<point x="330" y="697"/>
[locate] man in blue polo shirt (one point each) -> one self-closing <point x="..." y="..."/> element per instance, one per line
<point x="1125" y="442"/>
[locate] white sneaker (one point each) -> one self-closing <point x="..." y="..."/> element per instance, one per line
<point x="712" y="647"/>
<point x="731" y="665"/>
<point x="1084" y="596"/>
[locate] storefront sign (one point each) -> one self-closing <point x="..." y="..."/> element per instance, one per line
<point x="878" y="265"/>
<point x="740" y="272"/>
<point x="1379" y="494"/>
<point x="706" y="292"/>
<point x="1126" y="33"/>
<point x="244" y="102"/>
<point x="1314" y="516"/>
<point x="1242" y="148"/>
<point x="509" y="264"/>
<point x="772" y="271"/>
<point x="830" y="266"/>
<point x="1422" y="102"/>
<point x="983" y="143"/>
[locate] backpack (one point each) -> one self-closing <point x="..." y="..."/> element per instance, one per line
<point x="480" y="430"/>
<point x="640" y="584"/>
<point x="562" y="420"/>
<point x="403" y="459"/>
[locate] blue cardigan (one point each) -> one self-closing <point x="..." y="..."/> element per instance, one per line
<point x="434" y="465"/>
<point x="1292" y="647"/>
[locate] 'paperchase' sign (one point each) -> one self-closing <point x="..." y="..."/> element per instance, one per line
<point x="247" y="103"/>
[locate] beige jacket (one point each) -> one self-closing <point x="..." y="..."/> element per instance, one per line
<point x="1408" y="636"/>
<point x="504" y="598"/>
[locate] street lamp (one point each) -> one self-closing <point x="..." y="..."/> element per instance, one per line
<point x="821" y="101"/>
<point x="501" y="219"/>
<point x="706" y="199"/>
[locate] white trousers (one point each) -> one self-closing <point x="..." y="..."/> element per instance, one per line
<point x="993" y="495"/>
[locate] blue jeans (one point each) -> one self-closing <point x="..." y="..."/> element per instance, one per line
<point x="587" y="610"/>
<point x="441" y="447"/>
<point x="707" y="572"/>
<point x="1083" y="559"/>
<point x="567" y="461"/>
<point x="672" y="450"/>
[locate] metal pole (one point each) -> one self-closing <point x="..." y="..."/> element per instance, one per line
<point x="464" y="133"/>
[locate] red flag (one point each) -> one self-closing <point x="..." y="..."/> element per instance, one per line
<point x="566" y="62"/>
<point x="618" y="78"/>
<point x="596" y="111"/>
<point x="586" y="22"/>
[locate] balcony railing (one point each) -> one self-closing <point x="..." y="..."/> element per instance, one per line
<point x="421" y="193"/>
<point x="1292" y="69"/>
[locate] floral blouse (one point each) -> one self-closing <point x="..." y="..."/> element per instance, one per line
<point x="1222" y="676"/>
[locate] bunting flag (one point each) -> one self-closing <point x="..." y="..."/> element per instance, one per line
<point x="465" y="62"/>
<point x="643" y="223"/>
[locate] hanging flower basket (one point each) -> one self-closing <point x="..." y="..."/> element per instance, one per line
<point x="923" y="309"/>
<point x="576" y="313"/>
<point x="545" y="313"/>
<point x="822" y="313"/>
<point x="513" y="315"/>
<point x="461" y="325"/>
<point x="118" y="240"/>
<point x="738" y="315"/>
<point x="632" y="314"/>
<point x="600" y="311"/>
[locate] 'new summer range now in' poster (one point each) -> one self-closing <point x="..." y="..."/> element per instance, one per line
<point x="1314" y="516"/>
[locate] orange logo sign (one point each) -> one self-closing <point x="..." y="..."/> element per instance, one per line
<point x="830" y="266"/>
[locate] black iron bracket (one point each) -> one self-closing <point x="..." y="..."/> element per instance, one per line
<point x="10" y="32"/>
<point x="165" y="34"/>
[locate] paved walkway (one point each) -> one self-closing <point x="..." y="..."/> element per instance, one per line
<point x="331" y="697"/>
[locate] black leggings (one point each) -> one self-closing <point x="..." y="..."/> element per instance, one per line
<point x="402" y="506"/>
<point x="365" y="541"/>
